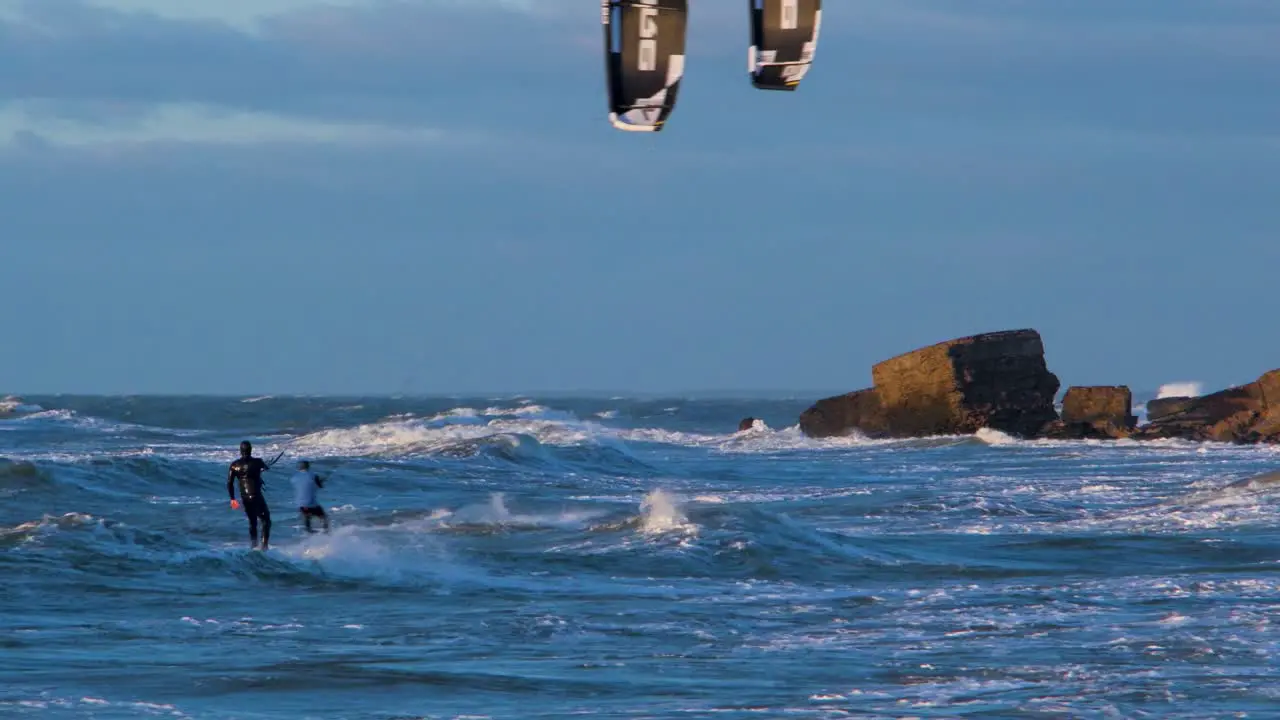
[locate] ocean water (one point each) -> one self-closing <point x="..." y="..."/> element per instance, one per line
<point x="513" y="557"/>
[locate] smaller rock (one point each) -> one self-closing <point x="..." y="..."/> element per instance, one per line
<point x="1161" y="408"/>
<point x="859" y="410"/>
<point x="1098" y="411"/>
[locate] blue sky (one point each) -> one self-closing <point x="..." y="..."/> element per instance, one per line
<point x="277" y="196"/>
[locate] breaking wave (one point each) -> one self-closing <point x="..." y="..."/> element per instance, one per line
<point x="1180" y="389"/>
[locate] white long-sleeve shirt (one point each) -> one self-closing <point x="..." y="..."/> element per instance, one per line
<point x="304" y="488"/>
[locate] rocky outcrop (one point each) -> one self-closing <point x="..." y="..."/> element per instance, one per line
<point x="1243" y="414"/>
<point x="1000" y="381"/>
<point x="1097" y="411"/>
<point x="997" y="380"/>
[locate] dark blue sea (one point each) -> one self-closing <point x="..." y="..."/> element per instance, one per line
<point x="525" y="557"/>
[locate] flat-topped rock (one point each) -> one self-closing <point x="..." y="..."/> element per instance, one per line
<point x="997" y="380"/>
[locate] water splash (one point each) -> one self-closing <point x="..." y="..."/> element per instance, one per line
<point x="1180" y="389"/>
<point x="991" y="436"/>
<point x="661" y="513"/>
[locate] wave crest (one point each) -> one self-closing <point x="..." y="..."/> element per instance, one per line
<point x="1180" y="389"/>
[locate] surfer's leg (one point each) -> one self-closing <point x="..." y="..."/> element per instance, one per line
<point x="265" y="512"/>
<point x="306" y="518"/>
<point x="318" y="511"/>
<point x="253" y="526"/>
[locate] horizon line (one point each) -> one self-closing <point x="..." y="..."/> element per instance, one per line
<point x="571" y="392"/>
<point x="722" y="393"/>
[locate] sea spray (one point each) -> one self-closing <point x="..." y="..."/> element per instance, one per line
<point x="661" y="513"/>
<point x="1179" y="389"/>
<point x="991" y="436"/>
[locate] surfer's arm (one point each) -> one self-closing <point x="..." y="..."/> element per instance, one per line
<point x="319" y="481"/>
<point x="231" y="483"/>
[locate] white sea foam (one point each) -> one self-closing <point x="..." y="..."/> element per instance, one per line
<point x="414" y="436"/>
<point x="353" y="550"/>
<point x="406" y="435"/>
<point x="92" y="706"/>
<point x="661" y="513"/>
<point x="496" y="512"/>
<point x="13" y="404"/>
<point x="51" y="523"/>
<point x="417" y="547"/>
<point x="74" y="419"/>
<point x="516" y="428"/>
<point x="1180" y="389"/>
<point x="991" y="436"/>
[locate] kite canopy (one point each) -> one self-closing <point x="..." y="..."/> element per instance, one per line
<point x="644" y="60"/>
<point x="784" y="36"/>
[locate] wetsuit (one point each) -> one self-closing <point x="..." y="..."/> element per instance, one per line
<point x="248" y="470"/>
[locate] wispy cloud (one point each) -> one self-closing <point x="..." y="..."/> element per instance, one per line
<point x="306" y="71"/>
<point x="33" y="124"/>
<point x="71" y="49"/>
<point x="248" y="15"/>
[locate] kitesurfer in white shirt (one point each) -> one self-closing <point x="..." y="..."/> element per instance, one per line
<point x="305" y="483"/>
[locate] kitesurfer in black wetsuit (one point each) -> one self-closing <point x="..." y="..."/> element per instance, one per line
<point x="248" y="470"/>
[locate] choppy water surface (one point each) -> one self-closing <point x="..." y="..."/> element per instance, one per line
<point x="531" y="558"/>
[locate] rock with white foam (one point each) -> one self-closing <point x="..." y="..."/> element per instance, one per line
<point x="1246" y="414"/>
